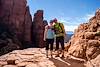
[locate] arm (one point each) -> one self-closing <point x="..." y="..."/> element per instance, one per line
<point x="45" y="33"/>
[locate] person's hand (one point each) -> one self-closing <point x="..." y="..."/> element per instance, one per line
<point x="44" y="39"/>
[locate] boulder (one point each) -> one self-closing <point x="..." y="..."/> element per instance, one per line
<point x="94" y="62"/>
<point x="85" y="43"/>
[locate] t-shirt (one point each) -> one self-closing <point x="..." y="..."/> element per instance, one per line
<point x="50" y="34"/>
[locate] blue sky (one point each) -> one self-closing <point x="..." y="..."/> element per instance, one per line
<point x="70" y="12"/>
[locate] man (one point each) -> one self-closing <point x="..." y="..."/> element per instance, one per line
<point x="59" y="34"/>
<point x="49" y="38"/>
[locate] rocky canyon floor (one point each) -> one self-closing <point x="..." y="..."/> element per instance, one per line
<point x="36" y="57"/>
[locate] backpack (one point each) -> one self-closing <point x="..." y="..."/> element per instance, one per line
<point x="58" y="28"/>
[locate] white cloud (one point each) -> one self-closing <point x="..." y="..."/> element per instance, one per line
<point x="70" y="28"/>
<point x="64" y="19"/>
<point x="67" y="24"/>
<point x="77" y="21"/>
<point x="88" y="16"/>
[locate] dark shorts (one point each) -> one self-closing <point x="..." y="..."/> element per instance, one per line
<point x="49" y="42"/>
<point x="60" y="40"/>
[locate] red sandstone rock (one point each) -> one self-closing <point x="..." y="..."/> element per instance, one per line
<point x="38" y="29"/>
<point x="16" y="14"/>
<point x="15" y="17"/>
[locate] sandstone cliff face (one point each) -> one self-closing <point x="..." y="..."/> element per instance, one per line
<point x="27" y="26"/>
<point x="16" y="14"/>
<point x="38" y="29"/>
<point x="85" y="43"/>
<point x="15" y="24"/>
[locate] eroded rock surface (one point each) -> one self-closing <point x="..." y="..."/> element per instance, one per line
<point x="85" y="43"/>
<point x="32" y="57"/>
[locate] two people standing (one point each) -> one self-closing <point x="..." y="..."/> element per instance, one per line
<point x="54" y="30"/>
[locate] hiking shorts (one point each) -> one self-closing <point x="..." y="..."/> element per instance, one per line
<point x="60" y="40"/>
<point x="49" y="42"/>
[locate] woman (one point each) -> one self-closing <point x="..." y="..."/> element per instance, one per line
<point x="49" y="38"/>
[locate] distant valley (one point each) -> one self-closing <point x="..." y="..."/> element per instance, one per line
<point x="68" y="35"/>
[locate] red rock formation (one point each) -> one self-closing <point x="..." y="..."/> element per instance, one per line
<point x="28" y="25"/>
<point x="15" y="24"/>
<point x="38" y="29"/>
<point x="16" y="15"/>
<point x="86" y="40"/>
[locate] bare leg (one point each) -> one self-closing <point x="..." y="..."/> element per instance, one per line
<point x="57" y="53"/>
<point x="62" y="53"/>
<point x="47" y="53"/>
